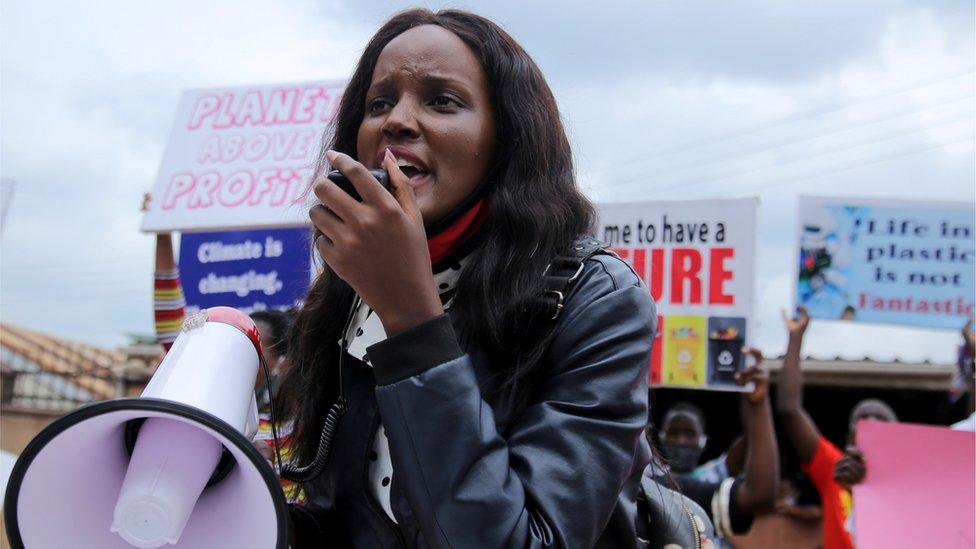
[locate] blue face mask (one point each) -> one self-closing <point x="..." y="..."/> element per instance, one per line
<point x="681" y="459"/>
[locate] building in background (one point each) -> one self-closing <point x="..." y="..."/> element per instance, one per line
<point x="43" y="377"/>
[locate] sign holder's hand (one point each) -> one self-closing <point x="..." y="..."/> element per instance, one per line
<point x="797" y="325"/>
<point x="757" y="374"/>
<point x="850" y="469"/>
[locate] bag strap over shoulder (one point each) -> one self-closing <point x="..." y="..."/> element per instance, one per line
<point x="563" y="271"/>
<point x="668" y="518"/>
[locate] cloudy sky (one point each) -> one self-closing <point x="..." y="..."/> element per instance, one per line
<point x="663" y="100"/>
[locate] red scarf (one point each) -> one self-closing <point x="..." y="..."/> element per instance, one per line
<point x="464" y="227"/>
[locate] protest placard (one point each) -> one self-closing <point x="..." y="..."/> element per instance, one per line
<point x="887" y="261"/>
<point x="920" y="488"/>
<point x="248" y="270"/>
<point x="698" y="261"/>
<point x="241" y="157"/>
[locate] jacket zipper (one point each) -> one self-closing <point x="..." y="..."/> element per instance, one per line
<point x="369" y="495"/>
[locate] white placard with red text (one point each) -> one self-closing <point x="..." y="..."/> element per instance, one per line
<point x="698" y="261"/>
<point x="241" y="157"/>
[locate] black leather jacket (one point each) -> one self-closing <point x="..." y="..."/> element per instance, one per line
<point x="564" y="473"/>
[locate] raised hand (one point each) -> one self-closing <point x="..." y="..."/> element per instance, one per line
<point x="757" y="374"/>
<point x="797" y="325"/>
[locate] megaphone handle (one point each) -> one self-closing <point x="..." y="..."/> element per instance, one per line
<point x="130" y="434"/>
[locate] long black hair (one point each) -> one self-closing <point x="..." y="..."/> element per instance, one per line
<point x="534" y="212"/>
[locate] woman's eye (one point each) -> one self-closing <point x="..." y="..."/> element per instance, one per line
<point x="443" y="101"/>
<point x="378" y="105"/>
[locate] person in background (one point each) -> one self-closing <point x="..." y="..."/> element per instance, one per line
<point x="965" y="374"/>
<point x="273" y="329"/>
<point x="169" y="305"/>
<point x="728" y="464"/>
<point x="273" y="326"/>
<point x="832" y="472"/>
<point x="732" y="503"/>
<point x="682" y="437"/>
<point x="965" y="378"/>
<point x="789" y="504"/>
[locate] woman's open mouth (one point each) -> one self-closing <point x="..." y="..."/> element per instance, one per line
<point x="418" y="176"/>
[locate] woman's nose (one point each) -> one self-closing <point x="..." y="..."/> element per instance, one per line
<point x="401" y="122"/>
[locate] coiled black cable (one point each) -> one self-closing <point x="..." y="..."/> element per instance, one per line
<point x="330" y="426"/>
<point x="324" y="452"/>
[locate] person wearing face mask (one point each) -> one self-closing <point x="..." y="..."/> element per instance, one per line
<point x="478" y="365"/>
<point x="682" y="437"/>
<point x="169" y="304"/>
<point x="732" y="502"/>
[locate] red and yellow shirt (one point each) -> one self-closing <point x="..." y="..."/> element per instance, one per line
<point x="835" y="500"/>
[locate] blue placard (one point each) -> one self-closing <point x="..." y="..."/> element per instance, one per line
<point x="248" y="270"/>
<point x="887" y="262"/>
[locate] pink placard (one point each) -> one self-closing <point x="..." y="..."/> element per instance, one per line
<point x="920" y="489"/>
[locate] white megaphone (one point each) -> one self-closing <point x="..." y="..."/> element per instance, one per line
<point x="175" y="466"/>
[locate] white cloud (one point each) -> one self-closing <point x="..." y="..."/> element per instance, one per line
<point x="89" y="91"/>
<point x="844" y="131"/>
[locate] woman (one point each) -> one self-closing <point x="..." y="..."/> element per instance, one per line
<point x="465" y="427"/>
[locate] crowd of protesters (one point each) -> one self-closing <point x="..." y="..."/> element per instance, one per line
<point x="492" y="357"/>
<point x="752" y="491"/>
<point x="744" y="482"/>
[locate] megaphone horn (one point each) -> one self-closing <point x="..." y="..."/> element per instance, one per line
<point x="175" y="466"/>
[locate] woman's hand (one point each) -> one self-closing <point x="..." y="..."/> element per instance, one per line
<point x="378" y="246"/>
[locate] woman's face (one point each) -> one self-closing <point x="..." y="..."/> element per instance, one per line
<point x="429" y="104"/>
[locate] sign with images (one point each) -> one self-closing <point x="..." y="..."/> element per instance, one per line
<point x="698" y="261"/>
<point x="248" y="270"/>
<point x="887" y="261"/>
<point x="241" y="157"/>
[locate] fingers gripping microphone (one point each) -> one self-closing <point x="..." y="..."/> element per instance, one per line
<point x="173" y="467"/>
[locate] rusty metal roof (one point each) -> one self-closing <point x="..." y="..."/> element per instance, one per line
<point x="83" y="372"/>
